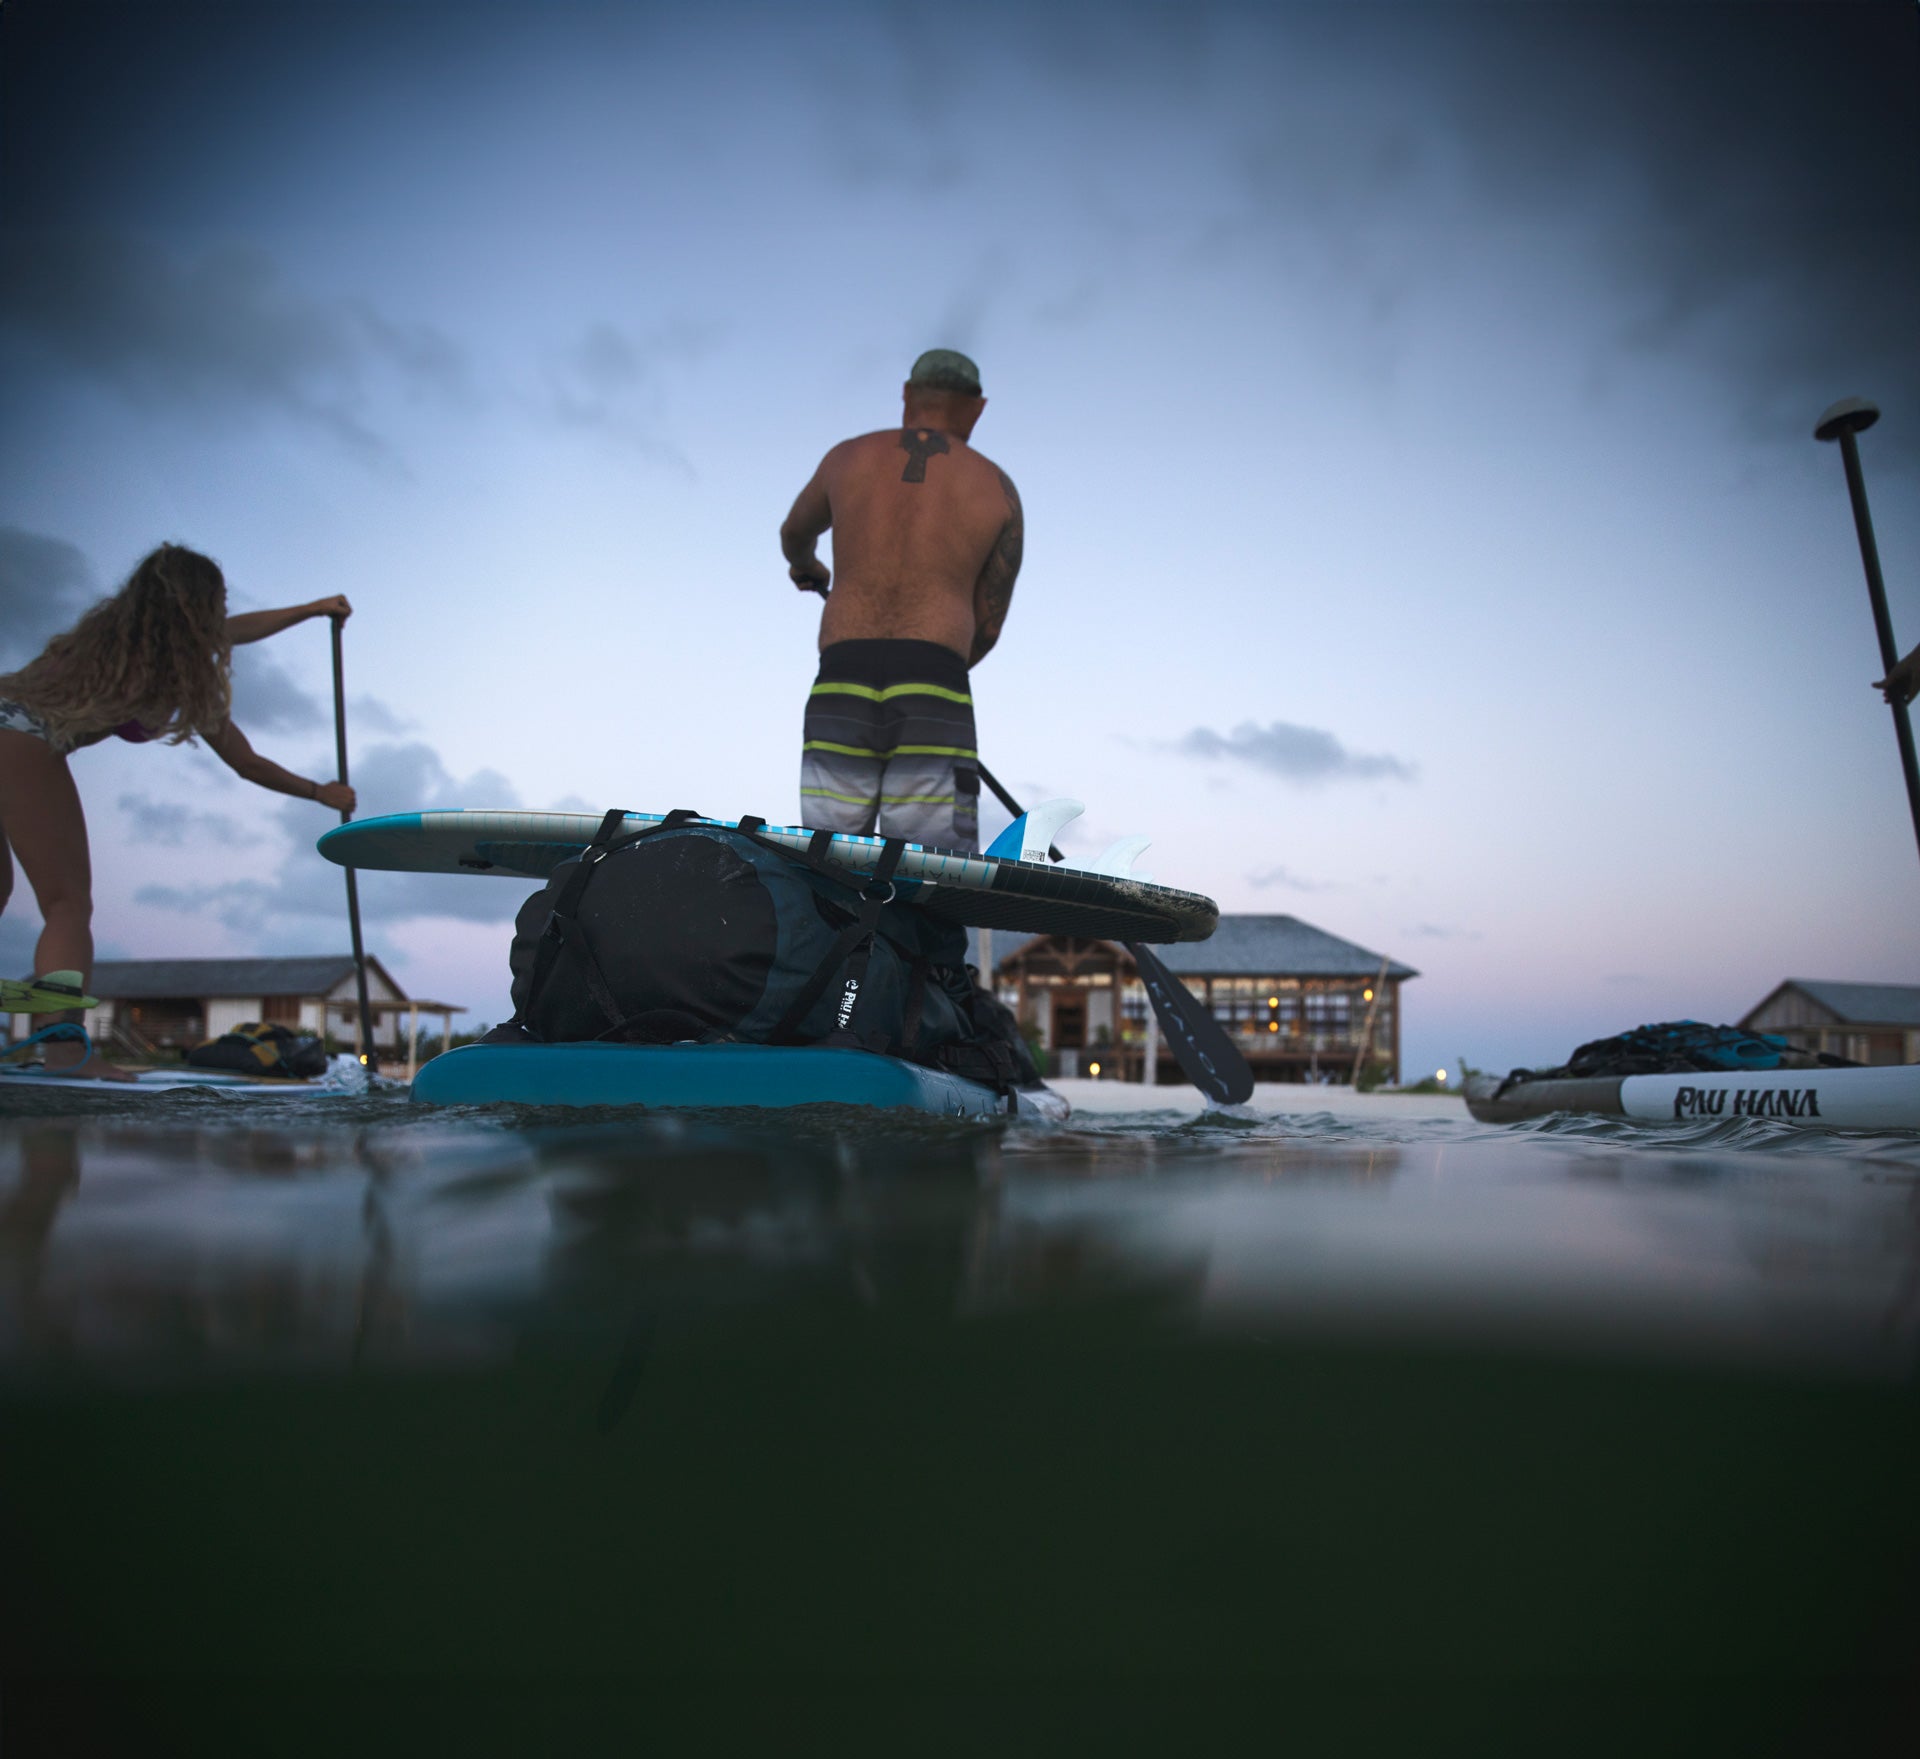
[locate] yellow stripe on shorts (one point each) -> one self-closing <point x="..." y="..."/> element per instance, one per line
<point x="870" y="694"/>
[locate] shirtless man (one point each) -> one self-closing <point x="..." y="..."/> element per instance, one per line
<point x="927" y="535"/>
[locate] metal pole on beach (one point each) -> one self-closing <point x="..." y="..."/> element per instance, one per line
<point x="353" y="890"/>
<point x="1845" y="419"/>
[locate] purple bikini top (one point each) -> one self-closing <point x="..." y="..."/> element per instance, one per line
<point x="133" y="733"/>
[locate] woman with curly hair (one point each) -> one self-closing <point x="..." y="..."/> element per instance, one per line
<point x="151" y="662"/>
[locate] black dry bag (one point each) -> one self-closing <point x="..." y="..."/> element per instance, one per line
<point x="693" y="931"/>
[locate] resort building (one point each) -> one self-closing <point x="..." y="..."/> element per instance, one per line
<point x="1866" y="1022"/>
<point x="1301" y="1004"/>
<point x="148" y="1006"/>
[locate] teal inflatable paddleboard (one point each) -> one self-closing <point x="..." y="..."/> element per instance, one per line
<point x="709" y="1076"/>
<point x="1013" y="885"/>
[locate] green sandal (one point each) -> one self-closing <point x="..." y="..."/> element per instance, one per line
<point x="50" y="993"/>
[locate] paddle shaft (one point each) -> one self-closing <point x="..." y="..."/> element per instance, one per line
<point x="1882" y="620"/>
<point x="353" y="890"/>
<point x="1366" y="1032"/>
<point x="1200" y="1046"/>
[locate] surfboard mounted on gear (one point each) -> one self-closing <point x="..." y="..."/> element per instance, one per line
<point x="1012" y="886"/>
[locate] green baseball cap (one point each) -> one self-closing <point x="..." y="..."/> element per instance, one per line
<point x="943" y="369"/>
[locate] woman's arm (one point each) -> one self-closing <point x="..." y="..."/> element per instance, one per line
<point x="231" y="747"/>
<point x="258" y="625"/>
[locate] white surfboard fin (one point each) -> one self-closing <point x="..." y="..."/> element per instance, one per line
<point x="1030" y="836"/>
<point x="1117" y="862"/>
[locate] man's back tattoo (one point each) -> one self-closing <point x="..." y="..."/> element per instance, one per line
<point x="920" y="444"/>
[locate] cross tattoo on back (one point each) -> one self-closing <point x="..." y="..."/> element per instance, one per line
<point x="920" y="444"/>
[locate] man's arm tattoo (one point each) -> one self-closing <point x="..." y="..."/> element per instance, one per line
<point x="993" y="591"/>
<point x="920" y="444"/>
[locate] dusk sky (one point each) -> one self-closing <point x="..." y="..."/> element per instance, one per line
<point x="1412" y="406"/>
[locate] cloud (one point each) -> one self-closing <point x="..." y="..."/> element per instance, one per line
<point x="1280" y="876"/>
<point x="1307" y="755"/>
<point x="368" y="714"/>
<point x="240" y="905"/>
<point x="604" y="356"/>
<point x="1746" y="174"/>
<point x="1433" y="931"/>
<point x="265" y="697"/>
<point x="887" y="118"/>
<point x="169" y="823"/>
<point x="614" y="384"/>
<point x="214" y="331"/>
<point x="387" y="778"/>
<point x="45" y="583"/>
<point x="1736" y="180"/>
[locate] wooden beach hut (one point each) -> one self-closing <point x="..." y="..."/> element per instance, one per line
<point x="1301" y="1004"/>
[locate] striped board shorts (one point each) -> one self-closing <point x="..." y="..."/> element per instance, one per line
<point x="889" y="745"/>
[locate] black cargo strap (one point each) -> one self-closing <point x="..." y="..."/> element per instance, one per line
<point x="852" y="947"/>
<point x="813" y="858"/>
<point x="987" y="1061"/>
<point x="563" y="928"/>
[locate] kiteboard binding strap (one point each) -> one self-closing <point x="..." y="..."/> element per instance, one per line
<point x="52" y="992"/>
<point x="66" y="1030"/>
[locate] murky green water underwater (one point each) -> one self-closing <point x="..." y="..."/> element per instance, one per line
<point x="336" y="1425"/>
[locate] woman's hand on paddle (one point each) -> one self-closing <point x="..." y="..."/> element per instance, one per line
<point x="337" y="795"/>
<point x="247" y="626"/>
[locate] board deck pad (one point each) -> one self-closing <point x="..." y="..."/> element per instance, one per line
<point x="980" y="891"/>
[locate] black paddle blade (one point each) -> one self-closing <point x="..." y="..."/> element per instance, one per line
<point x="1199" y="1044"/>
<point x="1202" y="1049"/>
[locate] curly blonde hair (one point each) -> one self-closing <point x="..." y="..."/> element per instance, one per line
<point x="156" y="652"/>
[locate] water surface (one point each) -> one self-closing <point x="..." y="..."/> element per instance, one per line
<point x="490" y="1419"/>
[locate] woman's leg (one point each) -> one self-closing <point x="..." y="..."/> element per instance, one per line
<point x="41" y="817"/>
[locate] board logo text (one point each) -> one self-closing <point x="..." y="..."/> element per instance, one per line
<point x="1747" y="1102"/>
